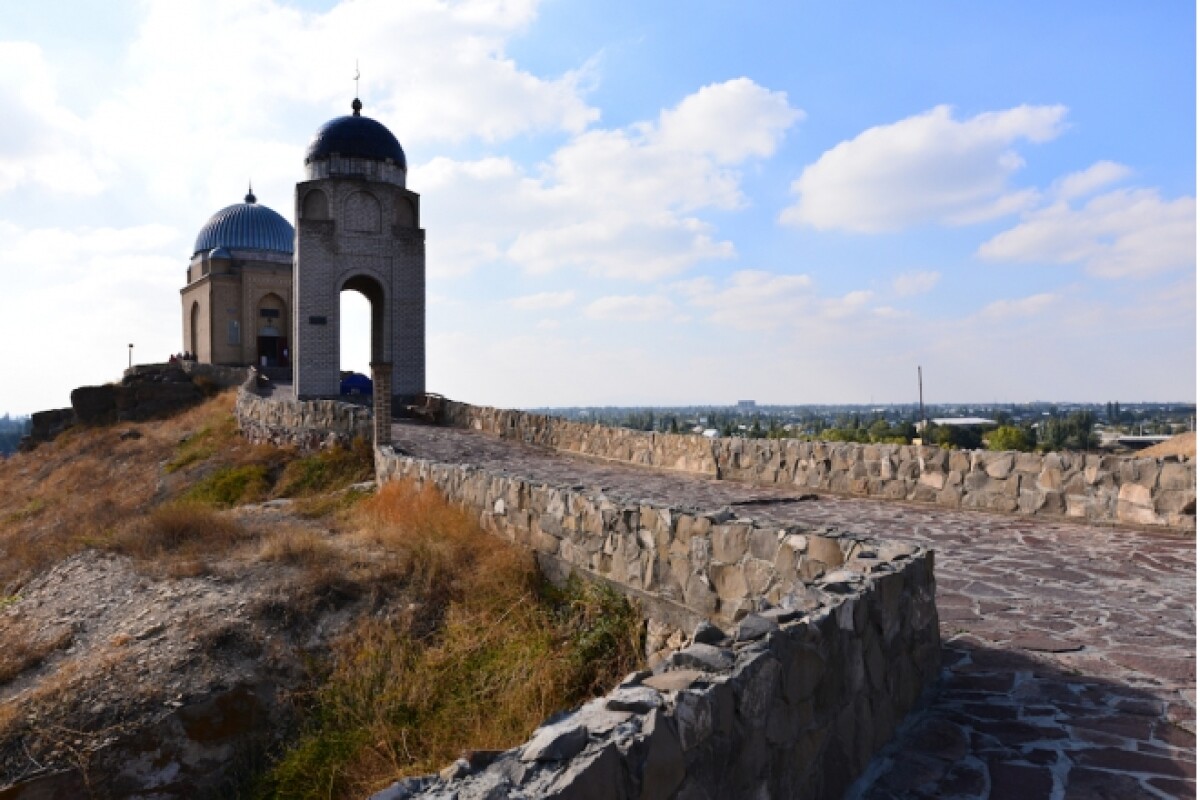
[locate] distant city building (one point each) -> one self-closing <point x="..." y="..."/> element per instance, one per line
<point x="746" y="405"/>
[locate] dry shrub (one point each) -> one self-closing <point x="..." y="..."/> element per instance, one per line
<point x="428" y="541"/>
<point x="405" y="699"/>
<point x="181" y="529"/>
<point x="25" y="649"/>
<point x="301" y="547"/>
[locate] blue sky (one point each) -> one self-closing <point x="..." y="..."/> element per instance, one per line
<point x="639" y="203"/>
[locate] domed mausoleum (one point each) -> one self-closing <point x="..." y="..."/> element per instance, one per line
<point x="260" y="292"/>
<point x="238" y="298"/>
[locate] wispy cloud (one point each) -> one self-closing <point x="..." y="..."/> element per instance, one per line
<point x="1122" y="234"/>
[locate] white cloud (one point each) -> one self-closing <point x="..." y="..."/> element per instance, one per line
<point x="1084" y="182"/>
<point x="846" y="305"/>
<point x="41" y="142"/>
<point x="543" y="301"/>
<point x="74" y="300"/>
<point x="751" y="299"/>
<point x="1023" y="307"/>
<point x="1124" y="233"/>
<point x="713" y="121"/>
<point x="630" y="308"/>
<point x="914" y="283"/>
<point x="618" y="203"/>
<point x="926" y="168"/>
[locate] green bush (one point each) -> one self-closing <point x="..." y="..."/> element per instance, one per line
<point x="231" y="486"/>
<point x="1008" y="437"/>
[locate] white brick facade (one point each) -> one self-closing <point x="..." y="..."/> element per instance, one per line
<point x="364" y="235"/>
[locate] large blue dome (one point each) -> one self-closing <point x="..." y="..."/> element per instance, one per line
<point x="246" y="226"/>
<point x="355" y="136"/>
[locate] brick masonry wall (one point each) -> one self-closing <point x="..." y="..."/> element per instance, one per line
<point x="1095" y="487"/>
<point x="826" y="642"/>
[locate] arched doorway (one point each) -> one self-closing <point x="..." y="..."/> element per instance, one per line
<point x="361" y="333"/>
<point x="272" y="326"/>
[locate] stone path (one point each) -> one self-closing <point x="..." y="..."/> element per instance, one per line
<point x="1069" y="650"/>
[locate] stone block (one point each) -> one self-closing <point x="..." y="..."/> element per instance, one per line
<point x="764" y="542"/>
<point x="730" y="542"/>
<point x="729" y="580"/>
<point x="825" y="549"/>
<point x="999" y="466"/>
<point x="664" y="768"/>
<point x="1136" y="513"/>
<point x="1177" y="477"/>
<point x="1173" y="501"/>
<point x="1135" y="494"/>
<point x="933" y="480"/>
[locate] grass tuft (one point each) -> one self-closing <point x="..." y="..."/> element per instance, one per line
<point x="181" y="529"/>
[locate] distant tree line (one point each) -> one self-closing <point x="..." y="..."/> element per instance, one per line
<point x="1019" y="426"/>
<point x="12" y="429"/>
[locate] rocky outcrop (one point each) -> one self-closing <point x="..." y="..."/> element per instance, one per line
<point x="1095" y="487"/>
<point x="147" y="391"/>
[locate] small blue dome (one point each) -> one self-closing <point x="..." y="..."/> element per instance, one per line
<point x="245" y="226"/>
<point x="355" y="136"/>
<point x="219" y="252"/>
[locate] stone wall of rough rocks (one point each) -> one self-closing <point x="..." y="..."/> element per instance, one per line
<point x="822" y="645"/>
<point x="307" y="424"/>
<point x="1099" y="488"/>
<point x="661" y="450"/>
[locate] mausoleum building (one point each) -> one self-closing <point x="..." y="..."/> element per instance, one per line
<point x="260" y="292"/>
<point x="237" y="304"/>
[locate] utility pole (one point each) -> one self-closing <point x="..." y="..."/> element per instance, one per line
<point x="131" y="356"/>
<point x="921" y="396"/>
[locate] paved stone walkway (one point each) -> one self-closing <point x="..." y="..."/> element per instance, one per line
<point x="1069" y="650"/>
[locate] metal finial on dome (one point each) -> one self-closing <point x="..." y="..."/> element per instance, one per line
<point x="357" y="104"/>
<point x="250" y="198"/>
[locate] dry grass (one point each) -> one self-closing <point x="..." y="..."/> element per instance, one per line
<point x="79" y="489"/>
<point x="299" y="547"/>
<point x="25" y="649"/>
<point x="178" y="529"/>
<point x="93" y="487"/>
<point x="505" y="650"/>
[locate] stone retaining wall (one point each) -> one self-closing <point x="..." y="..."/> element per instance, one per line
<point x="828" y="642"/>
<point x="307" y="424"/>
<point x="1099" y="488"/>
<point x="673" y="451"/>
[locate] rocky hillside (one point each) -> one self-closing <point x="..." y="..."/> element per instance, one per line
<point x="183" y="614"/>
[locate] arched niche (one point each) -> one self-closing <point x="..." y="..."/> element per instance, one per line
<point x="316" y="205"/>
<point x="406" y="213"/>
<point x="193" y="329"/>
<point x="361" y="213"/>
